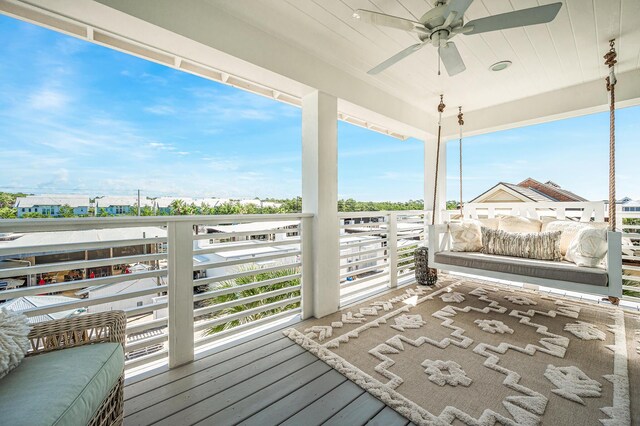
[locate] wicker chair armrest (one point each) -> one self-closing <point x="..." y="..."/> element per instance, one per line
<point x="77" y="331"/>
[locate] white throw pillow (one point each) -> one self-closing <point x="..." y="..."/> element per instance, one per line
<point x="491" y="222"/>
<point x="14" y="344"/>
<point x="519" y="224"/>
<point x="570" y="229"/>
<point x="465" y="235"/>
<point x="588" y="248"/>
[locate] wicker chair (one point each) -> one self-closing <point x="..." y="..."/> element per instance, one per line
<point x="85" y="330"/>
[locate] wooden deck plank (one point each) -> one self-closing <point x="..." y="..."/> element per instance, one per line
<point x="157" y="381"/>
<point x="196" y="404"/>
<point x="297" y="400"/>
<point x="325" y="407"/>
<point x="247" y="361"/>
<point x="388" y="417"/>
<point x="358" y="412"/>
<point x="265" y="369"/>
<point x="242" y="409"/>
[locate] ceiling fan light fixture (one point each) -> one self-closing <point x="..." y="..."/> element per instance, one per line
<point x="500" y="66"/>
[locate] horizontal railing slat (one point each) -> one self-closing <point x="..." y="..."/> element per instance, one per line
<point x="364" y="270"/>
<point x="240" y="245"/>
<point x="243" y="314"/>
<point x="224" y="263"/>
<point x="67" y="247"/>
<point x="81" y="303"/>
<point x="222" y="235"/>
<point x="245" y="300"/>
<point x="139" y="328"/>
<point x="146" y="359"/>
<point x="143" y="343"/>
<point x="243" y="287"/>
<point x="363" y="261"/>
<point x="79" y="264"/>
<point x="210" y="280"/>
<point x="248" y="326"/>
<point x="79" y="284"/>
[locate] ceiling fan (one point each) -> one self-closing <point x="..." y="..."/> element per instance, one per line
<point x="445" y="21"/>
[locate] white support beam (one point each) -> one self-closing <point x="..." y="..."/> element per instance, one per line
<point x="573" y="101"/>
<point x="320" y="197"/>
<point x="430" y="156"/>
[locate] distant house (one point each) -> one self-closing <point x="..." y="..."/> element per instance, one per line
<point x="49" y="205"/>
<point x="527" y="191"/>
<point x="120" y="205"/>
<point x="29" y="302"/>
<point x="629" y="205"/>
<point x="118" y="288"/>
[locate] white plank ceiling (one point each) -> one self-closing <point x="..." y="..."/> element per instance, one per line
<point x="563" y="53"/>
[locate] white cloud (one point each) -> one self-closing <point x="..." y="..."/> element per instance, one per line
<point x="47" y="99"/>
<point x="160" y="110"/>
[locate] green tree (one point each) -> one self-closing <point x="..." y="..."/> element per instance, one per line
<point x="240" y="294"/>
<point x="452" y="205"/>
<point x="33" y="215"/>
<point x="7" y="213"/>
<point x="66" y="211"/>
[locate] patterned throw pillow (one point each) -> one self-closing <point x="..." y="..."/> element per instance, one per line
<point x="465" y="235"/>
<point x="535" y="245"/>
<point x="588" y="248"/>
<point x="569" y="230"/>
<point x="14" y="344"/>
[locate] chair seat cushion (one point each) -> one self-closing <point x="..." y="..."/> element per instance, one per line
<point x="62" y="387"/>
<point x="546" y="269"/>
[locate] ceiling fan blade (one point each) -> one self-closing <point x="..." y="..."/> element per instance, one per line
<point x="389" y="21"/>
<point x="451" y="59"/>
<point x="457" y="6"/>
<point x="395" y="58"/>
<point x="519" y="18"/>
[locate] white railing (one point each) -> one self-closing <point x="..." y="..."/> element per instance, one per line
<point x="376" y="250"/>
<point x="629" y="224"/>
<point x="583" y="211"/>
<point x="193" y="279"/>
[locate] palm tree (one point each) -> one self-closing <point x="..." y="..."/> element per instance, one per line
<point x="259" y="276"/>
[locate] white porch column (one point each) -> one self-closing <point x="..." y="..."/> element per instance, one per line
<point x="430" y="152"/>
<point x="180" y="286"/>
<point x="320" y="197"/>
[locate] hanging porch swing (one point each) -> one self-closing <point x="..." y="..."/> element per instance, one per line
<point x="547" y="273"/>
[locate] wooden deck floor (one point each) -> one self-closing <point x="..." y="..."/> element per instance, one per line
<point x="266" y="381"/>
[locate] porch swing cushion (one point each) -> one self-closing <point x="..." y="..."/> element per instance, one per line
<point x="545" y="269"/>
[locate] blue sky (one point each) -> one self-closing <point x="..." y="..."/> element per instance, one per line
<point x="79" y="118"/>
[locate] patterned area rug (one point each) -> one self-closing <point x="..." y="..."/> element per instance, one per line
<point x="476" y="353"/>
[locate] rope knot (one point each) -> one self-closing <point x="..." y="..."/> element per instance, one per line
<point x="460" y="117"/>
<point x="441" y="105"/>
<point x="610" y="56"/>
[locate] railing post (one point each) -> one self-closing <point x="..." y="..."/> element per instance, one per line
<point x="306" y="246"/>
<point x="180" y="274"/>
<point x="392" y="249"/>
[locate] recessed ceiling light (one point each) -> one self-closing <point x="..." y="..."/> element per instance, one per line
<point x="499" y="66"/>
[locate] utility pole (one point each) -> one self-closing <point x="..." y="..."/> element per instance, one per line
<point x="138" y="202"/>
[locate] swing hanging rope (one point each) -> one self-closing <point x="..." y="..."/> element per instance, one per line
<point x="610" y="61"/>
<point x="435" y="185"/>
<point x="460" y="124"/>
